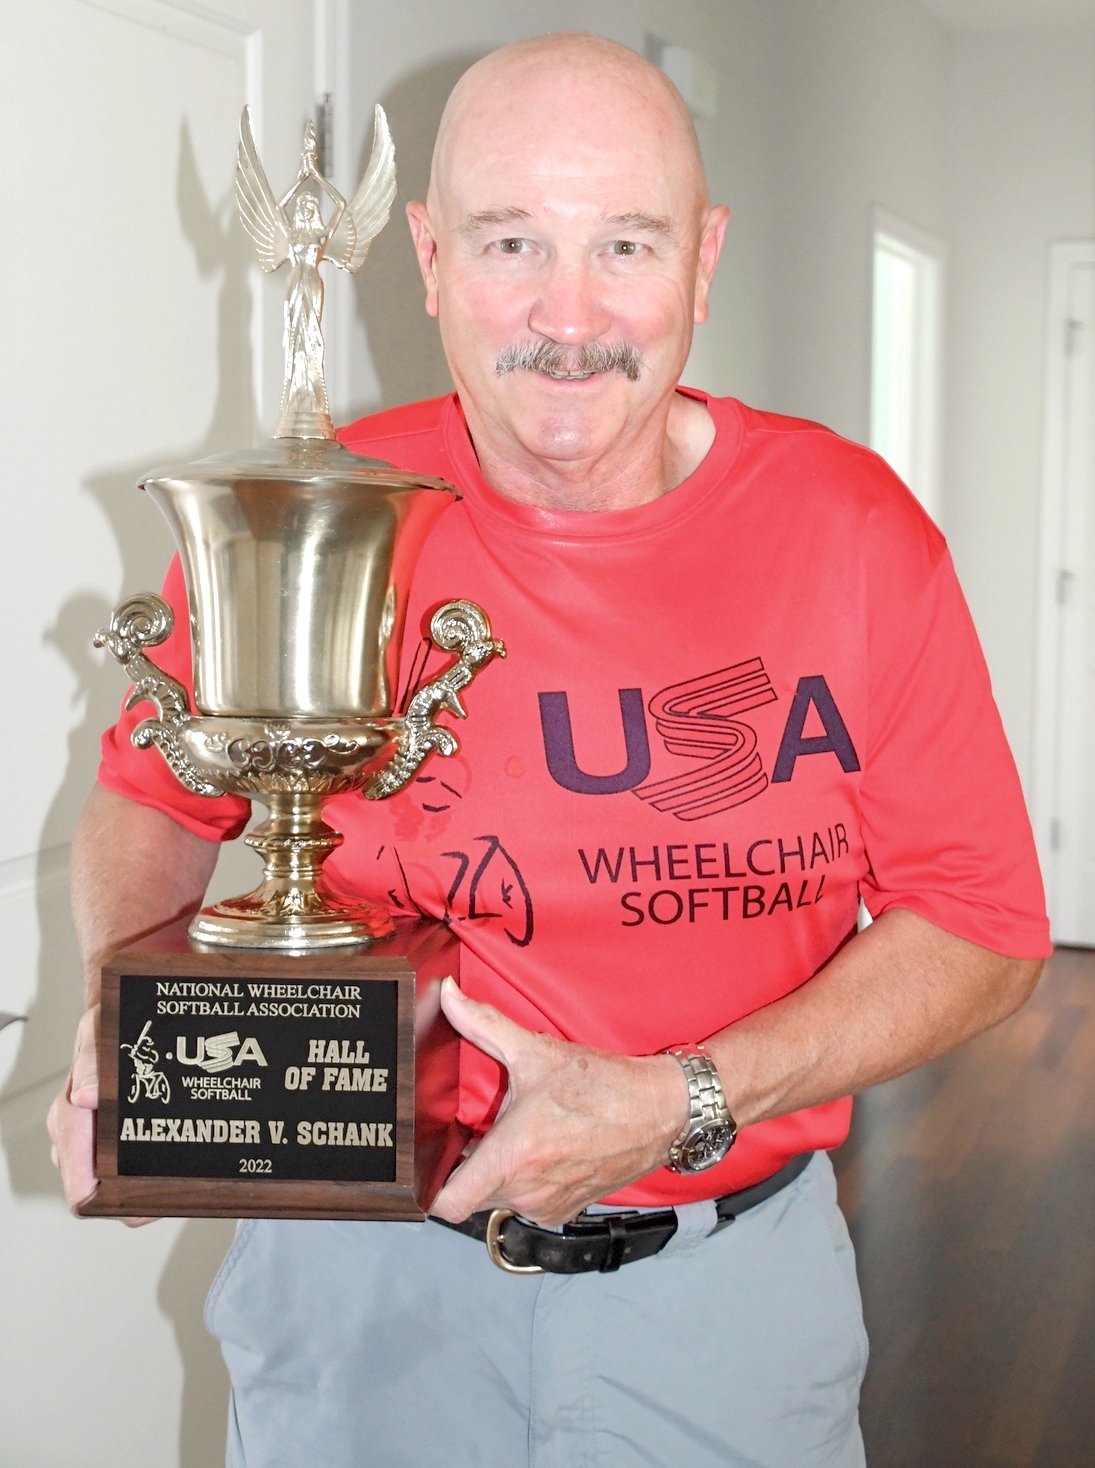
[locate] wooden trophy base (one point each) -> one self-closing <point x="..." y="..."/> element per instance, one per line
<point x="235" y="1083"/>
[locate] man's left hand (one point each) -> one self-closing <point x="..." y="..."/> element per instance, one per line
<point x="576" y="1123"/>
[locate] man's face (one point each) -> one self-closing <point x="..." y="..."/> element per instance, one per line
<point x="565" y="215"/>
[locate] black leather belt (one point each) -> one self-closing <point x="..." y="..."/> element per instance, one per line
<point x="602" y="1241"/>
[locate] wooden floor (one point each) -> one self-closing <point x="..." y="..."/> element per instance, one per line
<point x="970" y="1189"/>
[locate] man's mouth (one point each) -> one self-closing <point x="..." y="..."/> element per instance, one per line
<point x="570" y="364"/>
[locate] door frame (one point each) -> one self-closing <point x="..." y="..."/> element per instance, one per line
<point x="1053" y="562"/>
<point x="928" y="257"/>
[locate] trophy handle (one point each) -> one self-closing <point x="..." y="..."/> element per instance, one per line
<point x="141" y="621"/>
<point x="460" y="627"/>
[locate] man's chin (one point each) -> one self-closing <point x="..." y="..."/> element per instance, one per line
<point x="566" y="421"/>
<point x="565" y="437"/>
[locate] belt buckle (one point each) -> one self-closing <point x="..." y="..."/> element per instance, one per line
<point x="493" y="1241"/>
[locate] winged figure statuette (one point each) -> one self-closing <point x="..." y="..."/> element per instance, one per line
<point x="312" y="223"/>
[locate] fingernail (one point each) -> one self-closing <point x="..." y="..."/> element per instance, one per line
<point x="449" y="985"/>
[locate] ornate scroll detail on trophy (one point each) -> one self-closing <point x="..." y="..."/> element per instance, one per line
<point x="460" y="627"/>
<point x="144" y="621"/>
<point x="298" y="558"/>
<point x="292" y="765"/>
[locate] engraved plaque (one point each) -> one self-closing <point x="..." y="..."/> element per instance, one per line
<point x="257" y="1077"/>
<point x="263" y="1085"/>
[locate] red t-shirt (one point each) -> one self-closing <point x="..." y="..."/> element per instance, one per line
<point x="724" y="716"/>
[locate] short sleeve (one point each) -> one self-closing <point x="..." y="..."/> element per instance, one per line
<point x="944" y="821"/>
<point x="143" y="774"/>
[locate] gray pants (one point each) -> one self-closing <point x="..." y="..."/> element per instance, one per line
<point x="378" y="1345"/>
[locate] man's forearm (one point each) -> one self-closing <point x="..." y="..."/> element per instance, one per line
<point x="580" y="1124"/>
<point x="900" y="993"/>
<point x="133" y="869"/>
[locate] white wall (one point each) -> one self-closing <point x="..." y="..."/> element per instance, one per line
<point x="394" y="355"/>
<point x="130" y="338"/>
<point x="1022" y="139"/>
<point x="859" y="92"/>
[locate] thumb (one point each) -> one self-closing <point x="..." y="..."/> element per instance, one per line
<point x="84" y="1086"/>
<point x="486" y="1027"/>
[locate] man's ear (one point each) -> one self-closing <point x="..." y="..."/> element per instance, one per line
<point x="425" y="247"/>
<point x="711" y="241"/>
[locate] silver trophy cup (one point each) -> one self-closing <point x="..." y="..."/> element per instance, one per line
<point x="298" y="559"/>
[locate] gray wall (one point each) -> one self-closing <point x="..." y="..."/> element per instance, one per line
<point x="859" y="94"/>
<point x="395" y="354"/>
<point x="1021" y="112"/>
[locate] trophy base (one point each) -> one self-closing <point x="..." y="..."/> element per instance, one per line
<point x="267" y="1085"/>
<point x="293" y="909"/>
<point x="245" y="922"/>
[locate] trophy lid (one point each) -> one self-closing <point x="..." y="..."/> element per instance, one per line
<point x="295" y="461"/>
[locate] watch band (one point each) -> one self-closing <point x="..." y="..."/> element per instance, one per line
<point x="709" y="1118"/>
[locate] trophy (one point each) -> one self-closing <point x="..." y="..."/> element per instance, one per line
<point x="286" y="1054"/>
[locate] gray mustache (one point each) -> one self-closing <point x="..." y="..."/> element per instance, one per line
<point x="583" y="361"/>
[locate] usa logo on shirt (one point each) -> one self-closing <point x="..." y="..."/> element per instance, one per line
<point x="701" y="719"/>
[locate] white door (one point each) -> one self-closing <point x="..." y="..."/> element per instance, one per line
<point x="1064" y="805"/>
<point x="135" y="332"/>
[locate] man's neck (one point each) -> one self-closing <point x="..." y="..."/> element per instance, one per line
<point x="635" y="473"/>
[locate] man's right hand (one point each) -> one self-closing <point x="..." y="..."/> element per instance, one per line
<point x="71" y="1119"/>
<point x="133" y="868"/>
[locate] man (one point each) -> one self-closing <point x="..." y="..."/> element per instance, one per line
<point x="742" y="690"/>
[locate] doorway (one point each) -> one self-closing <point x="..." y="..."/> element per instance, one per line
<point x="906" y="312"/>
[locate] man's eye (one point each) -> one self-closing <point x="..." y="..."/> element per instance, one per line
<point x="625" y="247"/>
<point x="511" y="247"/>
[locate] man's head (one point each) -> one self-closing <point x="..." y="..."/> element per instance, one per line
<point x="567" y="244"/>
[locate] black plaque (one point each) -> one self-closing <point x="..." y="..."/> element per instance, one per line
<point x="257" y="1077"/>
<point x="248" y="1084"/>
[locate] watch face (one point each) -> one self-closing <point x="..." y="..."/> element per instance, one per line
<point x="706" y="1148"/>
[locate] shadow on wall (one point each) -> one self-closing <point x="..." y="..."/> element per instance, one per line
<point x="410" y="364"/>
<point x="145" y="546"/>
<point x="405" y="343"/>
<point x="184" y="1284"/>
<point x="221" y="249"/>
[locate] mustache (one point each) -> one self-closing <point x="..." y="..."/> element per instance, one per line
<point x="561" y="361"/>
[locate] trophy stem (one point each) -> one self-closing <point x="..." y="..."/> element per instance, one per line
<point x="293" y="908"/>
<point x="294" y="841"/>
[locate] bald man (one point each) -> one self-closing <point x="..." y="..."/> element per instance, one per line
<point x="743" y="691"/>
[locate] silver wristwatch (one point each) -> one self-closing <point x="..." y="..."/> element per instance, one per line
<point x="710" y="1130"/>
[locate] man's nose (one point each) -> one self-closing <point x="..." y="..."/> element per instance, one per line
<point x="568" y="308"/>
